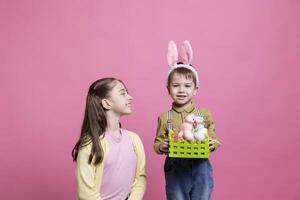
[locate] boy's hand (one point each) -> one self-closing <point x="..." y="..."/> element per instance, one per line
<point x="164" y="146"/>
<point x="211" y="145"/>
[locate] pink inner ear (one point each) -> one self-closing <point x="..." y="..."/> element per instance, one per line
<point x="186" y="53"/>
<point x="172" y="54"/>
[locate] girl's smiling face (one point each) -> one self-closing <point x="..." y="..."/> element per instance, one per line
<point x="119" y="99"/>
<point x="181" y="89"/>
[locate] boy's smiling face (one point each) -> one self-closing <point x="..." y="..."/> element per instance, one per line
<point x="181" y="89"/>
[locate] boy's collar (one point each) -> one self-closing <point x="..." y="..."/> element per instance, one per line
<point x="187" y="108"/>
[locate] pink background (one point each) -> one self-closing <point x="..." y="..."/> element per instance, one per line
<point x="247" y="55"/>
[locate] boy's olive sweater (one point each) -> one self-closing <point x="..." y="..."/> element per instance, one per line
<point x="178" y="116"/>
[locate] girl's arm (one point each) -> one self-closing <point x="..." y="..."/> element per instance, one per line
<point x="87" y="186"/>
<point x="139" y="185"/>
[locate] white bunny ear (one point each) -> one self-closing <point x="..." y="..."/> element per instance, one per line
<point x="172" y="54"/>
<point x="186" y="53"/>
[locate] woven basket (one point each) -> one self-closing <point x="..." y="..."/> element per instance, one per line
<point x="185" y="149"/>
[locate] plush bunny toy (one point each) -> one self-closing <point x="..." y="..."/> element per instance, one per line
<point x="187" y="128"/>
<point x="193" y="129"/>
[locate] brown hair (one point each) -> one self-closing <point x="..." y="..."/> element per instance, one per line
<point x="95" y="122"/>
<point x="182" y="71"/>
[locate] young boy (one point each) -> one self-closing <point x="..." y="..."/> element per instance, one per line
<point x="185" y="178"/>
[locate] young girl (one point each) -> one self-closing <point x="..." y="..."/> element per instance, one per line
<point x="110" y="161"/>
<point x="186" y="178"/>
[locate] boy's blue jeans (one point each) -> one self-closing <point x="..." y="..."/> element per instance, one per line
<point x="188" y="179"/>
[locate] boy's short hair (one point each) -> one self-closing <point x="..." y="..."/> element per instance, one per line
<point x="189" y="74"/>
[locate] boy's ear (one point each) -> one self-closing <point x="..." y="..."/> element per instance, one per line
<point x="195" y="91"/>
<point x="106" y="104"/>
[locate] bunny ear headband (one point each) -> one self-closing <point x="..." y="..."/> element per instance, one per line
<point x="186" y="57"/>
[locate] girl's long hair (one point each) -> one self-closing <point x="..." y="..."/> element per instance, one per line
<point x="94" y="123"/>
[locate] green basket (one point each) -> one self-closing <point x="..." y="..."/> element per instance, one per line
<point x="185" y="149"/>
